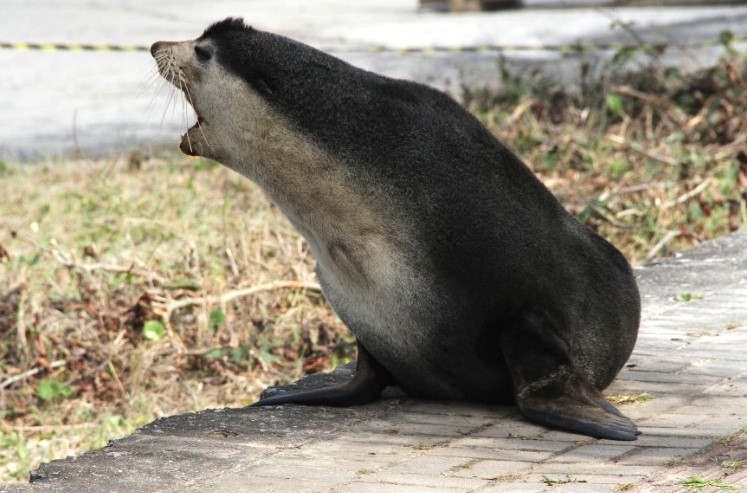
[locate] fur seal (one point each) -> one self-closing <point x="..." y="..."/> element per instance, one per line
<point x="461" y="276"/>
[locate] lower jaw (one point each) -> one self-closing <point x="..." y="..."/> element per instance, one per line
<point x="188" y="144"/>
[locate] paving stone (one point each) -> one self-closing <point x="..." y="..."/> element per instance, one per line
<point x="364" y="487"/>
<point x="492" y="453"/>
<point x="672" y="420"/>
<point x="459" y="409"/>
<point x="714" y="368"/>
<point x="593" y="485"/>
<point x="420" y="478"/>
<point x="672" y="441"/>
<point x="258" y="484"/>
<point x="418" y="442"/>
<point x="658" y="456"/>
<point x="443" y="419"/>
<point x="318" y="471"/>
<point x="591" y="472"/>
<point x="653" y="364"/>
<point x="491" y="470"/>
<point x="411" y="429"/>
<point x="514" y="487"/>
<point x="436" y="465"/>
<point x="661" y="388"/>
<point x="593" y="451"/>
<point x="509" y="444"/>
<point x="734" y="422"/>
<point x="699" y="432"/>
<point x="671" y="377"/>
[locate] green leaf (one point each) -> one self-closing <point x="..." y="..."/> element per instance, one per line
<point x="214" y="353"/>
<point x="44" y="210"/>
<point x="726" y="38"/>
<point x="66" y="391"/>
<point x="615" y="104"/>
<point x="240" y="354"/>
<point x="48" y="389"/>
<point x="153" y="330"/>
<point x="217" y="319"/>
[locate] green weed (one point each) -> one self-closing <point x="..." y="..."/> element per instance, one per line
<point x="696" y="483"/>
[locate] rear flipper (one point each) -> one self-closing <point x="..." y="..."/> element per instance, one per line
<point x="550" y="390"/>
<point x="596" y="418"/>
<point x="369" y="381"/>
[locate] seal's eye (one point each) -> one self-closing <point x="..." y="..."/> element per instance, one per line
<point x="203" y="53"/>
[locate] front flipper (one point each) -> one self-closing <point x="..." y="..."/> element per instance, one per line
<point x="548" y="387"/>
<point x="369" y="381"/>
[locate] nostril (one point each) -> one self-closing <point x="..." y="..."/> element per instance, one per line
<point x="157" y="46"/>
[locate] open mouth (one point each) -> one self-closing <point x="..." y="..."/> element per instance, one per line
<point x="193" y="137"/>
<point x="198" y="124"/>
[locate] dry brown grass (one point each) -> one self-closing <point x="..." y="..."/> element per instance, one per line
<point x="654" y="161"/>
<point x="91" y="250"/>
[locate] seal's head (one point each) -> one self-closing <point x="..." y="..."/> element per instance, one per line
<point x="221" y="80"/>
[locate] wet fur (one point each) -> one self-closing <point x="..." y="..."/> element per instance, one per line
<point x="456" y="269"/>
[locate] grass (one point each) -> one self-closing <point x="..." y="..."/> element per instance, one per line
<point x="557" y="481"/>
<point x="629" y="399"/>
<point x="696" y="483"/>
<point x="133" y="289"/>
<point x="102" y="312"/>
<point x="734" y="465"/>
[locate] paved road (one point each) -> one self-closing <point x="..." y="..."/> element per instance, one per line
<point x="690" y="361"/>
<point x="104" y="102"/>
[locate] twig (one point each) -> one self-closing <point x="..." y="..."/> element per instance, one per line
<point x="31" y="372"/>
<point x="90" y="267"/>
<point x="692" y="193"/>
<point x="644" y="187"/>
<point x="232" y="260"/>
<point x="113" y="372"/>
<point x="610" y="219"/>
<point x="661" y="244"/>
<point x="68" y="260"/>
<point x="619" y="140"/>
<point x="730" y="149"/>
<point x="240" y="293"/>
<point x="520" y="109"/>
<point x="629" y="91"/>
<point x="22" y="343"/>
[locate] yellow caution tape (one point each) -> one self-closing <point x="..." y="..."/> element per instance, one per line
<point x="70" y="47"/>
<point x="562" y="48"/>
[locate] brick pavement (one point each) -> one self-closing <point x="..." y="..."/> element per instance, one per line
<point x="690" y="361"/>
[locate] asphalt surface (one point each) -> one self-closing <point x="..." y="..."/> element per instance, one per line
<point x="54" y="103"/>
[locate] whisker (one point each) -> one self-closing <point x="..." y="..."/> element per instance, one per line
<point x="148" y="83"/>
<point x="170" y="74"/>
<point x="155" y="97"/>
<point x="189" y="141"/>
<point x="169" y="101"/>
<point x="171" y="97"/>
<point x="199" y="125"/>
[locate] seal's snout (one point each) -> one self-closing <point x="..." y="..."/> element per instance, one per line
<point x="155" y="47"/>
<point x="158" y="46"/>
